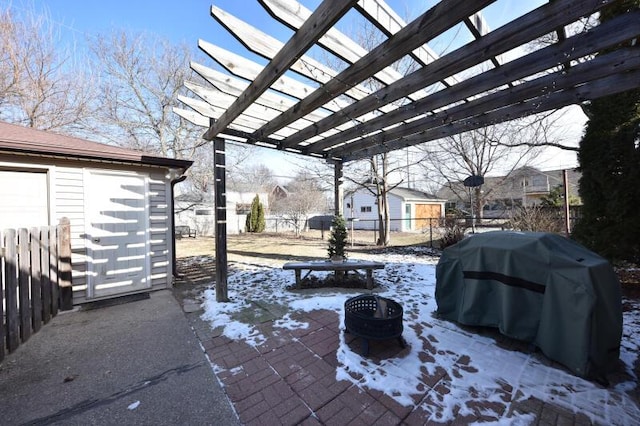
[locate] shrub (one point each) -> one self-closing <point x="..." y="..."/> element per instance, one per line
<point x="537" y="218"/>
<point x="454" y="230"/>
<point x="338" y="238"/>
<point x="255" y="219"/>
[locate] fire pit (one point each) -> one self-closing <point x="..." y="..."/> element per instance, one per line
<point x="373" y="318"/>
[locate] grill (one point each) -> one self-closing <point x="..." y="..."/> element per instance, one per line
<point x="373" y="318"/>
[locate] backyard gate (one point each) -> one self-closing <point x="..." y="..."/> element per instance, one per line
<point x="35" y="280"/>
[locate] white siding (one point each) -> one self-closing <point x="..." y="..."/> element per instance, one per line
<point x="160" y="230"/>
<point x="355" y="203"/>
<point x="68" y="201"/>
<point x="396" y="213"/>
<point x="369" y="220"/>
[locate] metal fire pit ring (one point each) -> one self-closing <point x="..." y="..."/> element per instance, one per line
<point x="373" y="317"/>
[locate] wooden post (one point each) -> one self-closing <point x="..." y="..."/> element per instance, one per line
<point x="64" y="264"/>
<point x="36" y="280"/>
<point x="53" y="270"/>
<point x="12" y="320"/>
<point x="2" y="280"/>
<point x="45" y="268"/>
<point x="338" y="190"/>
<point x="24" y="267"/>
<point x="220" y="205"/>
<point x="567" y="223"/>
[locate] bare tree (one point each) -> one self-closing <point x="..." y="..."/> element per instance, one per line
<point x="378" y="175"/>
<point x="500" y="147"/>
<point x="39" y="85"/>
<point x="304" y="196"/>
<point x="383" y="167"/>
<point x="141" y="78"/>
<point x="254" y="178"/>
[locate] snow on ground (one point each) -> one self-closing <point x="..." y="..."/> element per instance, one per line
<point x="410" y="280"/>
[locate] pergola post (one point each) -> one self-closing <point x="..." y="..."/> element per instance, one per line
<point x="220" y="205"/>
<point x="338" y="190"/>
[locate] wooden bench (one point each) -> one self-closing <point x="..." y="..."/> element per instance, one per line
<point x="185" y="231"/>
<point x="347" y="265"/>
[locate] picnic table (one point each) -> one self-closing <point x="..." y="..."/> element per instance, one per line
<point x="328" y="265"/>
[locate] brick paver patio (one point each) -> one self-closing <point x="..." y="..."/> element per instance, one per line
<point x="291" y="380"/>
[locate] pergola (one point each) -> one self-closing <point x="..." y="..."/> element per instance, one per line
<point x="332" y="115"/>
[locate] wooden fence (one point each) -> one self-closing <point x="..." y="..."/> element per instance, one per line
<point x="35" y="280"/>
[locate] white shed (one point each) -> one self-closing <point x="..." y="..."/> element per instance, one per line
<point x="409" y="209"/>
<point x="119" y="202"/>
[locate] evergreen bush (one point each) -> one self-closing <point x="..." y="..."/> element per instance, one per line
<point x="338" y="238"/>
<point x="255" y="219"/>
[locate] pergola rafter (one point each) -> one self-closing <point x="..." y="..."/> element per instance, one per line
<point x="322" y="121"/>
<point x="335" y="116"/>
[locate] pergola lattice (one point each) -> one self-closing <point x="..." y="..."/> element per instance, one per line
<point x="340" y="120"/>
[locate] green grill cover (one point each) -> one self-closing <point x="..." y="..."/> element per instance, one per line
<point x="538" y="287"/>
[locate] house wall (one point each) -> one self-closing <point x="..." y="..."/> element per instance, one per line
<point x="368" y="220"/>
<point x="353" y="205"/>
<point x="66" y="180"/>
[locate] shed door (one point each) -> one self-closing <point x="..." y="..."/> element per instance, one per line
<point x="24" y="199"/>
<point x="117" y="234"/>
<point x="425" y="212"/>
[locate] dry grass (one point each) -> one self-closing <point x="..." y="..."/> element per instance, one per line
<point x="286" y="246"/>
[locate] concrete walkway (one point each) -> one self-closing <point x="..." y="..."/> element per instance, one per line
<point x="133" y="363"/>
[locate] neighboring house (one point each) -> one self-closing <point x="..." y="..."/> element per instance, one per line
<point x="199" y="214"/>
<point x="522" y="187"/>
<point x="278" y="193"/>
<point x="119" y="202"/>
<point x="409" y="209"/>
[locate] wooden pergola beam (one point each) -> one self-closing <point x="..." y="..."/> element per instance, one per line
<point x="551" y="56"/>
<point x="387" y="21"/>
<point x="432" y="23"/>
<point x="524" y="29"/>
<point x="322" y="19"/>
<point x="593" y="89"/>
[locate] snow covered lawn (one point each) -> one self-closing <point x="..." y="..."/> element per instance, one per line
<point x="436" y="347"/>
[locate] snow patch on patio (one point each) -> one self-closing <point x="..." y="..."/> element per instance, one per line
<point x="476" y="369"/>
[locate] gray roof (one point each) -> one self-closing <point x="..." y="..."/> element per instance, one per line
<point x="413" y="194"/>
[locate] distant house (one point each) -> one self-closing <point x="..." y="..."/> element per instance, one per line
<point x="409" y="209"/>
<point x="522" y="187"/>
<point x="119" y="203"/>
<point x="199" y="214"/>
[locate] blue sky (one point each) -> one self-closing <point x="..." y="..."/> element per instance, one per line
<point x="187" y="21"/>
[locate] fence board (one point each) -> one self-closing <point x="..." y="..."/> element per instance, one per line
<point x="36" y="281"/>
<point x="53" y="268"/>
<point x="64" y="264"/>
<point x="30" y="267"/>
<point x="11" y="291"/>
<point x="24" y="268"/>
<point x="2" y="287"/>
<point x="46" y="276"/>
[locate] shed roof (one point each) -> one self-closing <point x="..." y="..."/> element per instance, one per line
<point x="495" y="77"/>
<point x="409" y="194"/>
<point x="24" y="140"/>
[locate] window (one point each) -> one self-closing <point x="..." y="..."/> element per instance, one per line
<point x="365" y="209"/>
<point x="539" y="180"/>
<point x="204" y="212"/>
